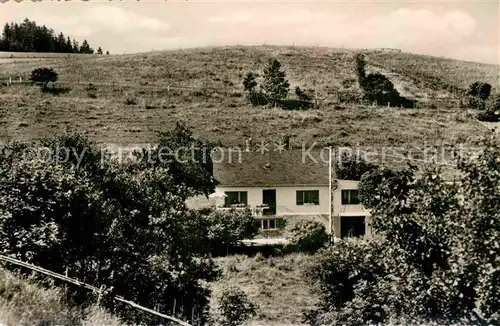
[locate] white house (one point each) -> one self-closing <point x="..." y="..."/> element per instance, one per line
<point x="291" y="184"/>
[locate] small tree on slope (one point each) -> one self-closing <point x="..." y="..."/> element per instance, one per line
<point x="275" y="85"/>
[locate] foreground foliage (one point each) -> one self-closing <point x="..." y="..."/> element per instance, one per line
<point x="307" y="235"/>
<point x="438" y="254"/>
<point x="75" y="211"/>
<point x="25" y="302"/>
<point x="235" y="307"/>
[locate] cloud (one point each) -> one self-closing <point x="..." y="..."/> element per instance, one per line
<point x="414" y="30"/>
<point x="268" y="18"/>
<point x="120" y="20"/>
<point x="415" y="27"/>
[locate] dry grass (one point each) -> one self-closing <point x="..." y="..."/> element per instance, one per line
<point x="216" y="108"/>
<point x="24" y="302"/>
<point x="427" y="70"/>
<point x="277" y="285"/>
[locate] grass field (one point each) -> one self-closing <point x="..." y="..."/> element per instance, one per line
<point x="139" y="94"/>
<point x="25" y="302"/>
<point x="438" y="73"/>
<point x="278" y="285"/>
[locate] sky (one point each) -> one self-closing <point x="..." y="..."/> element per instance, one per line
<point x="467" y="30"/>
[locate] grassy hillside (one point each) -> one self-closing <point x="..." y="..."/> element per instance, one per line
<point x="277" y="285"/>
<point x="438" y="73"/>
<point x="24" y="302"/>
<point x="137" y="95"/>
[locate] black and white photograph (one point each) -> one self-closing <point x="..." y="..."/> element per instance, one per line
<point x="249" y="162"/>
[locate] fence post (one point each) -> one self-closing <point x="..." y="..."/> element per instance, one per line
<point x="10" y="80"/>
<point x="388" y="104"/>
<point x="99" y="295"/>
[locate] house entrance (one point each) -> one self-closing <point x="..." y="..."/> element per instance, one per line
<point x="269" y="199"/>
<point x="352" y="226"/>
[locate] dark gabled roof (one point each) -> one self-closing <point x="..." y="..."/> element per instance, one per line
<point x="271" y="168"/>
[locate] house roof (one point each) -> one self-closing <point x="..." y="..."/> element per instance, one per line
<point x="293" y="167"/>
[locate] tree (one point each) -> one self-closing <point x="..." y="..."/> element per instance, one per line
<point x="85" y="48"/>
<point x="107" y="52"/>
<point x="436" y="255"/>
<point x="359" y="60"/>
<point x="43" y="76"/>
<point x="68" y="48"/>
<point x="99" y="50"/>
<point x="124" y="226"/>
<point x="249" y="83"/>
<point x="28" y="37"/>
<point x="275" y="85"/>
<point x="188" y="159"/>
<point x="76" y="47"/>
<point x="352" y="167"/>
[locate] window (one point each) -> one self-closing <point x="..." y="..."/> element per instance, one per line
<point x="350" y="197"/>
<point x="308" y="197"/>
<point x="271" y="224"/>
<point x="235" y="197"/>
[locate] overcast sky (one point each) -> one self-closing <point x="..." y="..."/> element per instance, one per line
<point x="464" y="30"/>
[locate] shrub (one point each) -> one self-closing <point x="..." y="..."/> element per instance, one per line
<point x="492" y="113"/>
<point x="293" y="104"/>
<point x="378" y="87"/>
<point x="348" y="83"/>
<point x="301" y="95"/>
<point x="227" y="229"/>
<point x="43" y="75"/>
<point x="130" y="100"/>
<point x="488" y="115"/>
<point x="478" y="93"/>
<point x="349" y="96"/>
<point x="235" y="307"/>
<point x="91" y="90"/>
<point x="436" y="258"/>
<point x="480" y="90"/>
<point x="258" y="98"/>
<point x="308" y="235"/>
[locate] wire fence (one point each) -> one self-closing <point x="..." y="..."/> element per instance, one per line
<point x="88" y="287"/>
<point x="319" y="98"/>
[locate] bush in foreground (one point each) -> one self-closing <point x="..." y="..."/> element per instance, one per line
<point x="437" y="258"/>
<point x="235" y="307"/>
<point x="122" y="226"/>
<point x="308" y="235"/>
<point x="227" y="229"/>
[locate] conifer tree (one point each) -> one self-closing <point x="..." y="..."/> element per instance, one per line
<point x="275" y="85"/>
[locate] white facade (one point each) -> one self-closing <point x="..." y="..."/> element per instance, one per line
<point x="285" y="199"/>
<point x="343" y="215"/>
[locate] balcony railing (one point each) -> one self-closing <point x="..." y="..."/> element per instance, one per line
<point x="259" y="210"/>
